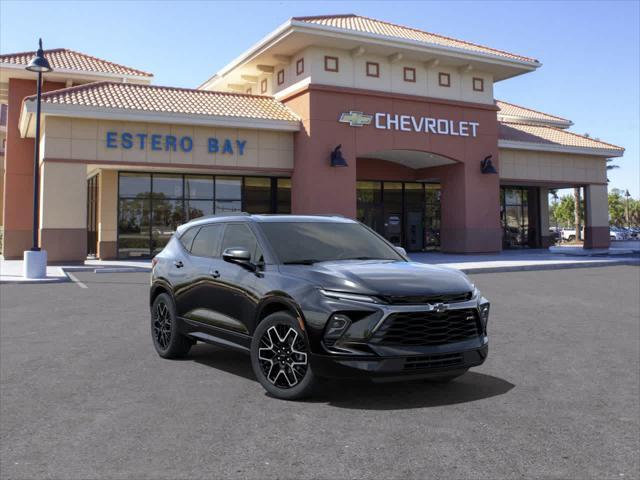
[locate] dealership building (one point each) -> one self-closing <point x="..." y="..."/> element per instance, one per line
<point x="339" y="114"/>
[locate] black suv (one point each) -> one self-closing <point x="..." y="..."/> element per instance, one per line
<point x="312" y="297"/>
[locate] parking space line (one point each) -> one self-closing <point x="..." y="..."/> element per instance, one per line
<point x="75" y="280"/>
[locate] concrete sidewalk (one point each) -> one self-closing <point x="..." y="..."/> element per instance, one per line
<point x="506" y="261"/>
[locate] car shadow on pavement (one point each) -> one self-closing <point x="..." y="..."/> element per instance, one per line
<point x="470" y="387"/>
<point x="365" y="395"/>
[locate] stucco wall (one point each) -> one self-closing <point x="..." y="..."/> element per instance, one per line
<point x="352" y="73"/>
<point x="85" y="140"/>
<point x="551" y="167"/>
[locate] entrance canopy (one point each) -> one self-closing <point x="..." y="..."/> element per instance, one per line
<point x="410" y="158"/>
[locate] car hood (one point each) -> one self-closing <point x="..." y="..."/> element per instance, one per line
<point x="382" y="277"/>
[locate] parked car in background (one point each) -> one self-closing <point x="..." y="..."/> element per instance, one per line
<point x="569" y="234"/>
<point x="618" y="234"/>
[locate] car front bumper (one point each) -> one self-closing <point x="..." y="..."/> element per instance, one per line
<point x="399" y="367"/>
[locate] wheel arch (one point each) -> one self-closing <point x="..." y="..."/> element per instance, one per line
<point x="158" y="287"/>
<point x="279" y="302"/>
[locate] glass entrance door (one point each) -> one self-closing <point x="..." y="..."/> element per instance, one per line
<point x="405" y="213"/>
<point x="519" y="217"/>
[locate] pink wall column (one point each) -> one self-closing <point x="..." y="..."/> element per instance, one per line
<point x="317" y="187"/>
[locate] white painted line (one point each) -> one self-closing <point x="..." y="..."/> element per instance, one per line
<point x="75" y="280"/>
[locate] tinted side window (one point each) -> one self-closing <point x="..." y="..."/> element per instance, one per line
<point x="240" y="236"/>
<point x="207" y="242"/>
<point x="186" y="239"/>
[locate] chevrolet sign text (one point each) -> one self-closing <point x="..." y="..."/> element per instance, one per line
<point x="438" y="126"/>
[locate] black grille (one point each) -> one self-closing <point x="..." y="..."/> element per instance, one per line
<point x="434" y="361"/>
<point x="428" y="328"/>
<point x="422" y="299"/>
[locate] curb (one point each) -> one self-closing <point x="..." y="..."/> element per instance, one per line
<point x="562" y="266"/>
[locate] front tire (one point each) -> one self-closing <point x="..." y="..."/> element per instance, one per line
<point x="167" y="340"/>
<point x="280" y="357"/>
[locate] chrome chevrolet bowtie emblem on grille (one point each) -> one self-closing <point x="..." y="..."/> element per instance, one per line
<point x="355" y="119"/>
<point x="439" y="307"/>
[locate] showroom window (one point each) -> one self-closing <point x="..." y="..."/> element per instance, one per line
<point x="152" y="206"/>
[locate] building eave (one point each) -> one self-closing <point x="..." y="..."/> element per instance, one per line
<point x="296" y="26"/>
<point x="541" y="147"/>
<point x="64" y="72"/>
<point x="129" y="115"/>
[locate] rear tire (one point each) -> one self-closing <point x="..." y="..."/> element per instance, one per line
<point x="280" y="358"/>
<point x="167" y="340"/>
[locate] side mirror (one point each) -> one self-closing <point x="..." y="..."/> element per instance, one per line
<point x="401" y="251"/>
<point x="239" y="256"/>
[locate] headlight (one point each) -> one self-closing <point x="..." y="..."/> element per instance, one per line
<point x="483" y="309"/>
<point x="476" y="293"/>
<point x="349" y="296"/>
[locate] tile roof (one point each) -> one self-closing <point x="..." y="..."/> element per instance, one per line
<point x="152" y="98"/>
<point x="370" y="25"/>
<point x="544" y="135"/>
<point x="512" y="110"/>
<point x="65" y="59"/>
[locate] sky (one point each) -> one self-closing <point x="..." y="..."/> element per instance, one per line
<point x="590" y="51"/>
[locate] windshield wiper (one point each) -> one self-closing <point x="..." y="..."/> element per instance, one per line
<point x="305" y="261"/>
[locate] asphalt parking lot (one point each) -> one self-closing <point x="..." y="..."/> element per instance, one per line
<point x="83" y="394"/>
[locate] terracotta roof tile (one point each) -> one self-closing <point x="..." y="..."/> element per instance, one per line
<point x="152" y="98"/>
<point x="379" y="27"/>
<point x="517" y="132"/>
<point x="513" y="110"/>
<point x="65" y="59"/>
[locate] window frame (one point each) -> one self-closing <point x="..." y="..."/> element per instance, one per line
<point x="407" y="70"/>
<point x="263" y="85"/>
<point x="377" y="67"/>
<point x="441" y="77"/>
<point x="300" y="66"/>
<point x="280" y="76"/>
<point x="480" y="82"/>
<point x="327" y="59"/>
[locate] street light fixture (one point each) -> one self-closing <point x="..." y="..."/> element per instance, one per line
<point x="35" y="260"/>
<point x="626" y="208"/>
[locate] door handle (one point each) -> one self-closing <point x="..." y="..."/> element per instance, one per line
<point x="178" y="264"/>
<point x="214" y="273"/>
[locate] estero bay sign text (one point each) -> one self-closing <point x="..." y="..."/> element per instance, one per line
<point x="171" y="143"/>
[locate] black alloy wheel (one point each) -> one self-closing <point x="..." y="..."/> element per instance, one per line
<point x="280" y="357"/>
<point x="167" y="340"/>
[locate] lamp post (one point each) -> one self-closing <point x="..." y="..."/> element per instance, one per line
<point x="626" y="208"/>
<point x="35" y="260"/>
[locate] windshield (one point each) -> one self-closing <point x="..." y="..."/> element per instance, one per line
<point x="311" y="242"/>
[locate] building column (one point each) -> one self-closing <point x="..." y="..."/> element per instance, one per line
<point x="596" y="216"/>
<point x="63" y="211"/>
<point x="546" y="240"/>
<point x="316" y="186"/>
<point x="107" y="214"/>
<point x="470" y="209"/>
<point x="18" y="173"/>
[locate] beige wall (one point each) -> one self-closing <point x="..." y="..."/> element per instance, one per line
<point x="108" y="206"/>
<point x="597" y="211"/>
<point x="352" y="73"/>
<point x="552" y="167"/>
<point x="80" y="139"/>
<point x="63" y="195"/>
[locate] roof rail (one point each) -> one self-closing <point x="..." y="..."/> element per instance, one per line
<point x="219" y="215"/>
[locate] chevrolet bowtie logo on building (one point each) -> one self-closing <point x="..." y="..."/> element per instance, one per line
<point x="356" y="119"/>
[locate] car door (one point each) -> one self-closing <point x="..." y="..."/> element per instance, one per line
<point x="240" y="298"/>
<point x="193" y="297"/>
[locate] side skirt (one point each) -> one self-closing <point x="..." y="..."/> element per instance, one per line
<point x="217" y="336"/>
